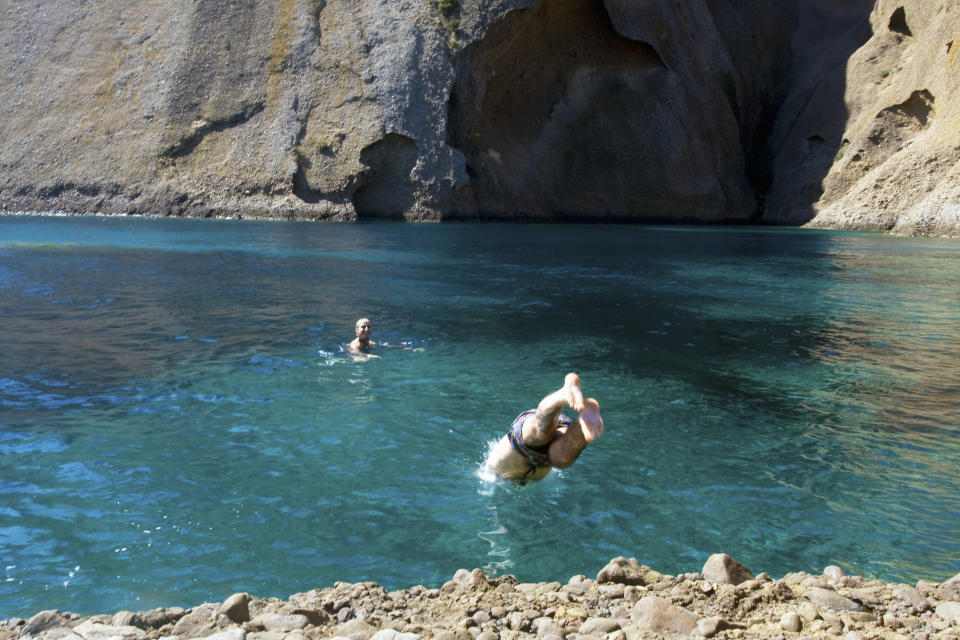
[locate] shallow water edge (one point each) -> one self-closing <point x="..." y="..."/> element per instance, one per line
<point x="733" y="224"/>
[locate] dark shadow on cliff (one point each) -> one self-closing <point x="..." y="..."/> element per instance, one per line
<point x="806" y="135"/>
<point x="594" y="110"/>
<point x="532" y="108"/>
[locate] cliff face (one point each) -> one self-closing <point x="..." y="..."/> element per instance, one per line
<point x="831" y="111"/>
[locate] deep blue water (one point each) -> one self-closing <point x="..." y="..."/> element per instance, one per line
<point x="178" y="421"/>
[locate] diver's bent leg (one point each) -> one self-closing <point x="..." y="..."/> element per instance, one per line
<point x="539" y="431"/>
<point x="573" y="439"/>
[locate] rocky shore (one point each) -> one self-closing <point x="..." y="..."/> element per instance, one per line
<point x="625" y="601"/>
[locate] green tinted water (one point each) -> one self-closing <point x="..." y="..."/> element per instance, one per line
<point x="178" y="421"/>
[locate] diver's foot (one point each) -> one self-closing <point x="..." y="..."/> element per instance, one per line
<point x="572" y="393"/>
<point x="590" y="421"/>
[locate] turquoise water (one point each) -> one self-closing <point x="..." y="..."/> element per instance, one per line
<point x="178" y="421"/>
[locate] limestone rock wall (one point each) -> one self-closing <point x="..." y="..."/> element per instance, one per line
<point x="836" y="113"/>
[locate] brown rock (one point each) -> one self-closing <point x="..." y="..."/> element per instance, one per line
<point x="236" y="607"/>
<point x="660" y="616"/>
<point x="723" y="569"/>
<point x="622" y="570"/>
<point x="825" y="598"/>
<point x="790" y="621"/>
<point x="42" y="621"/>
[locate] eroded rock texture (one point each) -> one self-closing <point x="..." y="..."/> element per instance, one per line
<point x="831" y="111"/>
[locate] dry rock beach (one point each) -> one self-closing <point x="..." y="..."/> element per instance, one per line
<point x="624" y="601"/>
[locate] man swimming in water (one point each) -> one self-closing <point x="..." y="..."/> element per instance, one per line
<point x="543" y="438"/>
<point x="361" y="344"/>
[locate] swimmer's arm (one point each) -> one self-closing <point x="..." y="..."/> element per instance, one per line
<point x="403" y="347"/>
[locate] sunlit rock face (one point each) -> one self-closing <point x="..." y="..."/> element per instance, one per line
<point x="830" y="111"/>
<point x="895" y="164"/>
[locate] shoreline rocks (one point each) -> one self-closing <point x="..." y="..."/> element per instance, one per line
<point x="626" y="601"/>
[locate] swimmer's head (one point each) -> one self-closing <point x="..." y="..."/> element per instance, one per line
<point x="363" y="329"/>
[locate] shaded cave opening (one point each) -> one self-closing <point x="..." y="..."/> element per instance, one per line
<point x="385" y="189"/>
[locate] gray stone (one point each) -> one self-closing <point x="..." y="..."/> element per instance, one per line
<point x="42" y="621"/>
<point x="356" y="630"/>
<point x="825" y="598"/>
<point x="481" y="618"/>
<point x="229" y="634"/>
<point x="723" y="569"/>
<point x="390" y="634"/>
<point x="709" y="627"/>
<point x="910" y="597"/>
<point x="949" y="611"/>
<point x="598" y="626"/>
<point x="199" y="622"/>
<point x="657" y="615"/>
<point x="833" y="573"/>
<point x="95" y="631"/>
<point x="59" y="633"/>
<point x="156" y="618"/>
<point x="278" y="622"/>
<point x="808" y="611"/>
<point x="127" y="619"/>
<point x="267" y="635"/>
<point x="790" y="621"/>
<point x="546" y="627"/>
<point x="891" y="621"/>
<point x="622" y="570"/>
<point x="236" y="607"/>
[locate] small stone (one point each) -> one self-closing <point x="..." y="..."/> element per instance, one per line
<point x="278" y="622"/>
<point x="126" y="619"/>
<point x="597" y="626"/>
<point x="831" y="600"/>
<point x="481" y="618"/>
<point x="90" y="630"/>
<point x="356" y="630"/>
<point x="546" y="628"/>
<point x="949" y="611"/>
<point x="622" y="570"/>
<point x="790" y="621"/>
<point x="808" y="611"/>
<point x="723" y="569"/>
<point x="910" y="597"/>
<point x="853" y="635"/>
<point x="391" y="634"/>
<point x="833" y="573"/>
<point x="236" y="608"/>
<point x="42" y="621"/>
<point x="814" y="582"/>
<point x="891" y="621"/>
<point x="709" y="627"/>
<point x="661" y="616"/>
<point x="229" y="634"/>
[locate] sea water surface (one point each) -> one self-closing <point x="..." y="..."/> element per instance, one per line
<point x="179" y="422"/>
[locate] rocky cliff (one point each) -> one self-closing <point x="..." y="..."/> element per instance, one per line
<point x="836" y="113"/>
